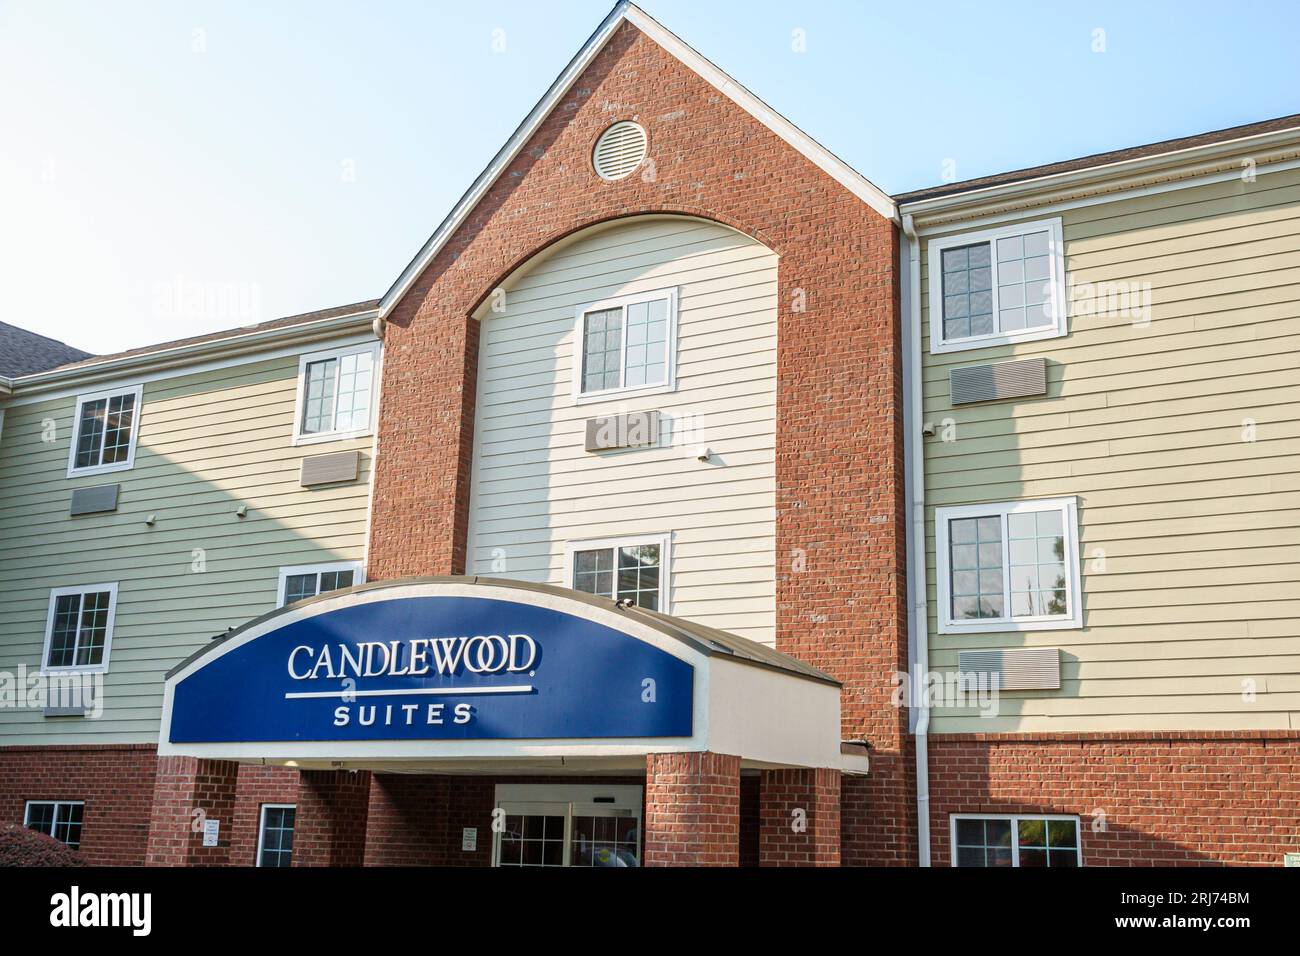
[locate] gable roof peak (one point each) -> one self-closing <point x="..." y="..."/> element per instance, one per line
<point x="626" y="12"/>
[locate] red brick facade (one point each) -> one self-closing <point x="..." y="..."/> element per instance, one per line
<point x="800" y="818"/>
<point x="330" y="824"/>
<point x="840" y="591"/>
<point x="1151" y="799"/>
<point x="115" y="781"/>
<point x="839" y="474"/>
<point x="692" y="810"/>
<point x="1144" y="799"/>
<point x="187" y="792"/>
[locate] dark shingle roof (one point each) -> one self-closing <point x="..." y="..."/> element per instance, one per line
<point x="23" y="352"/>
<point x="1104" y="159"/>
<point x="82" y="358"/>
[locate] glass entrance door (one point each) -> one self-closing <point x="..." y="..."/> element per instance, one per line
<point x="596" y="826"/>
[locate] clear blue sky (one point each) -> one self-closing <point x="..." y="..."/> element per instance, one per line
<point x="280" y="156"/>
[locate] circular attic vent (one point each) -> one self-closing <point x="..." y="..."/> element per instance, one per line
<point x="620" y="149"/>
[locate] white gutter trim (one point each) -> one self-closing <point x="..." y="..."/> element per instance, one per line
<point x="914" y="461"/>
<point x="836" y="168"/>
<point x="184" y="354"/>
<point x="1076" y="177"/>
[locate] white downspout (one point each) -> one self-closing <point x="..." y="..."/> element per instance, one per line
<point x="914" y="464"/>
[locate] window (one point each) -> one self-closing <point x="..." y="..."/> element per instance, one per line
<point x="60" y="819"/>
<point x="299" y="583"/>
<point x="626" y="345"/>
<point x="79" y="628"/>
<point x="104" y="431"/>
<point x="568" y="825"/>
<point x="1009" y="567"/>
<point x="634" y="569"/>
<point x="336" y="394"/>
<point x="997" y="286"/>
<point x="1050" y="841"/>
<point x="275" y="835"/>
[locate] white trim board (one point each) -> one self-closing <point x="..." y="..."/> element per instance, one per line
<point x="978" y="217"/>
<point x="802" y="143"/>
<point x="227" y="345"/>
<point x="1153" y="164"/>
<point x="176" y="371"/>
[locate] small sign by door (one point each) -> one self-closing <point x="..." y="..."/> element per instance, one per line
<point x="469" y="839"/>
<point x="211" y="830"/>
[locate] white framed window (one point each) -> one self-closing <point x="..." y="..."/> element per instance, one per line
<point x="299" y="582"/>
<point x="275" y="834"/>
<point x="550" y="825"/>
<point x="60" y="819"/>
<point x="104" y="429"/>
<point x="634" y="569"/>
<point x="336" y="394"/>
<point x="625" y="346"/>
<point x="990" y="839"/>
<point x="1012" y="566"/>
<point x="79" y="628"/>
<point x="997" y="286"/>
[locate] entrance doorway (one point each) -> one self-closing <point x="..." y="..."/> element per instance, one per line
<point x="567" y="825"/>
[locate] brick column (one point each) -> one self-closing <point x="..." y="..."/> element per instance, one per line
<point x="182" y="786"/>
<point x="692" y="811"/>
<point x="799" y="818"/>
<point x="330" y="824"/>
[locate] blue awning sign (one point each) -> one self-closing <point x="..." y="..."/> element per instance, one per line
<point x="419" y="665"/>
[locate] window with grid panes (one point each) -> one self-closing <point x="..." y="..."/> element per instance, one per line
<point x="105" y="431"/>
<point x="630" y="571"/>
<point x="60" y="819"/>
<point x="625" y="343"/>
<point x="79" y="628"/>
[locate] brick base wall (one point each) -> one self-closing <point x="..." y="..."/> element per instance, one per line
<point x="878" y="812"/>
<point x="800" y="818"/>
<point x="418" y="820"/>
<point x="116" y="782"/>
<point x="1166" y="800"/>
<point x="331" y="820"/>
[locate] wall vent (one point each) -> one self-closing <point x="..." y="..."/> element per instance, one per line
<point x="327" y="469"/>
<point x="633" y="430"/>
<point x="1019" y="668"/>
<point x="987" y="383"/>
<point x="89" y="501"/>
<point x="619" y="151"/>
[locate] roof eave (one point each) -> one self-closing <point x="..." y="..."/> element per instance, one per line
<point x="1041" y="187"/>
<point x="208" y="350"/>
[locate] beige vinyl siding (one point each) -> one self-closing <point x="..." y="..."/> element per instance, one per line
<point x="208" y="443"/>
<point x="536" y="488"/>
<point x="1199" y="601"/>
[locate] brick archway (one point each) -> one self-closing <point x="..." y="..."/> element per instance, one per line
<point x="840" y="488"/>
